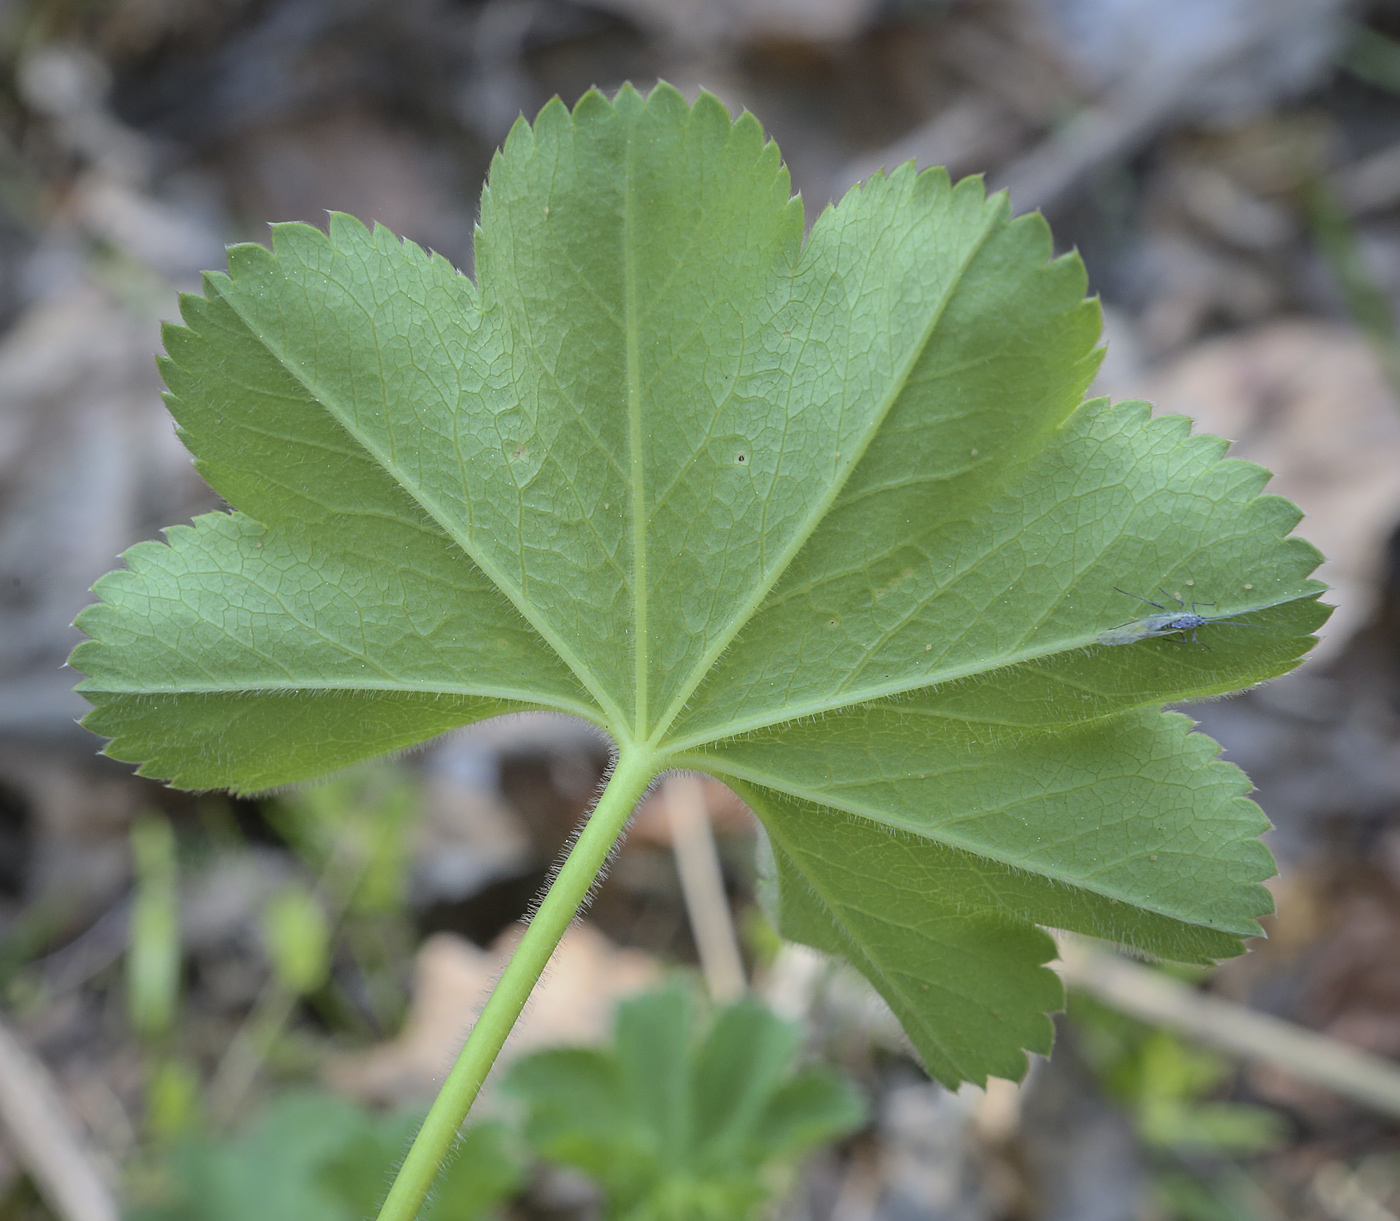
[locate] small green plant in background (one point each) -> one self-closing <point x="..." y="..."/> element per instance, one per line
<point x="676" y="1123"/>
<point x="826" y="517"/>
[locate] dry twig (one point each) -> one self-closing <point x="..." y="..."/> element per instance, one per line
<point x="702" y="882"/>
<point x="45" y="1140"/>
<point x="1257" y="1037"/>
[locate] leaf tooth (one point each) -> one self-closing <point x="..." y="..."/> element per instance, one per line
<point x="555" y="122"/>
<point x="246" y="259"/>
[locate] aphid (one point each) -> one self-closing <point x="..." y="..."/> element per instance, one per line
<point x="1165" y="624"/>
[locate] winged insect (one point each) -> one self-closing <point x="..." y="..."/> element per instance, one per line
<point x="1166" y="623"/>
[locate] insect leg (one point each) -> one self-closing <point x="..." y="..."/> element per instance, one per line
<point x="1140" y="598"/>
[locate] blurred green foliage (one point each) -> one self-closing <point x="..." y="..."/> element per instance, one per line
<point x="359" y="824"/>
<point x="674" y="1122"/>
<point x="354" y="834"/>
<point x="1197" y="1142"/>
<point x="315" y="1157"/>
<point x="174" y="1099"/>
<point x="1372" y="57"/>
<point x="1168" y="1086"/>
<point x="153" y="955"/>
<point x="677" y="1121"/>
<point x="298" y="939"/>
<point x="681" y="1124"/>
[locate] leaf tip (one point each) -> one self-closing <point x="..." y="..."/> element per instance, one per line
<point x="290" y="237"/>
<point x="245" y="259"/>
<point x="593" y="106"/>
<point x="344" y="229"/>
<point x="665" y="94"/>
<point x="521" y="133"/>
<point x="935" y="179"/>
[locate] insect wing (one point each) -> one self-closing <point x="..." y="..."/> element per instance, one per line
<point x="1127" y="633"/>
<point x="1143" y="629"/>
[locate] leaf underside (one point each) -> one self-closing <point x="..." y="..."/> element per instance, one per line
<point x="827" y="518"/>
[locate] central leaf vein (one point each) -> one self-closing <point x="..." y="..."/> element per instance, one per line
<point x="819" y="510"/>
<point x="636" y="452"/>
<point x="724" y="767"/>
<point x="435" y="511"/>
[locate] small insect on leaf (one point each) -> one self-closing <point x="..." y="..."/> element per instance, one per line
<point x="1166" y="623"/>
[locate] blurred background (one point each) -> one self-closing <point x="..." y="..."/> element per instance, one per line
<point x="219" y="1010"/>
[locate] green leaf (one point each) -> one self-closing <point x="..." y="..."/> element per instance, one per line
<point x="579" y="1114"/>
<point x="675" y="1126"/>
<point x="738" y="1069"/>
<point x="814" y="1107"/>
<point x="826" y="518"/>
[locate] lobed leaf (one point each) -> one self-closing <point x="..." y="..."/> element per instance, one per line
<point x="824" y="517"/>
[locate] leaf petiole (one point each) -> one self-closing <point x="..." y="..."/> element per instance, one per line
<point x="636" y="768"/>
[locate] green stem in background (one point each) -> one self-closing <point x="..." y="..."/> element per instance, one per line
<point x="635" y="770"/>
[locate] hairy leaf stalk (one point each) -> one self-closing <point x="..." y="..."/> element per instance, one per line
<point x="635" y="770"/>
